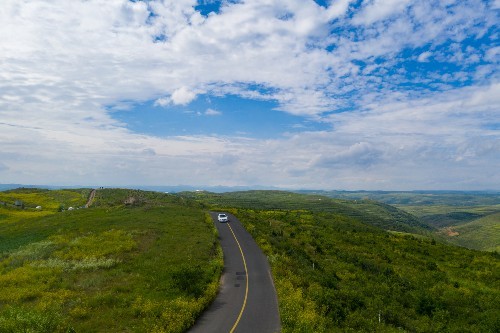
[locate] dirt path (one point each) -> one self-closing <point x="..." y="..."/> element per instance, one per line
<point x="91" y="198"/>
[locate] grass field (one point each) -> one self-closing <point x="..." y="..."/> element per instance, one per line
<point x="149" y="262"/>
<point x="336" y="274"/>
<point x="337" y="270"/>
<point x="50" y="200"/>
<point x="153" y="265"/>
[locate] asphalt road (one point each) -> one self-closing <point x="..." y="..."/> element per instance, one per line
<point x="247" y="301"/>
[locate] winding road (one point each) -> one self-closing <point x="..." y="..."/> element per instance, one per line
<point x="247" y="301"/>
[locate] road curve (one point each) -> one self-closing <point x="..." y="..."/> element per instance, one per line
<point x="247" y="301"/>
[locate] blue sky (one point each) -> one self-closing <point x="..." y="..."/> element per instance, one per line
<point x="331" y="94"/>
<point x="228" y="115"/>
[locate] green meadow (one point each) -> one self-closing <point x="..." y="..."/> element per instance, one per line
<point x="151" y="265"/>
<point x="337" y="270"/>
<point x="139" y="261"/>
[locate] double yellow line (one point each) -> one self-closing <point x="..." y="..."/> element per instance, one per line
<point x="246" y="275"/>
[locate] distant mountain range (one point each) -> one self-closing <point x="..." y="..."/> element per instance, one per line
<point x="391" y="197"/>
<point x="417" y="198"/>
<point x="170" y="189"/>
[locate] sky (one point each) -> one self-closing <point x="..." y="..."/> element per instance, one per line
<point x="297" y="94"/>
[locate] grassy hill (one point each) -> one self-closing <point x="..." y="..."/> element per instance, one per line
<point x="371" y="212"/>
<point x="464" y="218"/>
<point x="481" y="234"/>
<point x="334" y="273"/>
<point x="475" y="227"/>
<point x="418" y="198"/>
<point x="141" y="261"/>
<point x="134" y="262"/>
<point x="337" y="270"/>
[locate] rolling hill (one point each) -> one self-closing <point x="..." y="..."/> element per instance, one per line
<point x="135" y="261"/>
<point x="148" y="261"/>
<point x="481" y="234"/>
<point x="337" y="270"/>
<point x="467" y="219"/>
<point x="368" y="211"/>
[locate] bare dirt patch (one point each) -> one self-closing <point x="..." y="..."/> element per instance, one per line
<point x="450" y="232"/>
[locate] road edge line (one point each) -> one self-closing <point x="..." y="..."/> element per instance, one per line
<point x="246" y="275"/>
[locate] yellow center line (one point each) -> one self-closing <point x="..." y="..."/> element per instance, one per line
<point x="246" y="275"/>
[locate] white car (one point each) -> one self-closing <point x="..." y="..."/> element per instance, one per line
<point x="222" y="218"/>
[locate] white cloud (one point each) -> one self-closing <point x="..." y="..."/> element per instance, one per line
<point x="424" y="56"/>
<point x="377" y="10"/>
<point x="64" y="64"/>
<point x="148" y="152"/>
<point x="163" y="101"/>
<point x="182" y="96"/>
<point x="212" y="112"/>
<point x="493" y="54"/>
<point x="337" y="9"/>
<point x="363" y="154"/>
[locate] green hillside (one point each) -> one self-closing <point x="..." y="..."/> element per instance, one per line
<point x="371" y="212"/>
<point x="441" y="216"/>
<point x="336" y="274"/>
<point x="468" y="219"/>
<point x="135" y="262"/>
<point x="474" y="227"/>
<point x="337" y="270"/>
<point x="418" y="198"/>
<point x="481" y="234"/>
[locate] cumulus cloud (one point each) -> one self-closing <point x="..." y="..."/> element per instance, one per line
<point x="379" y="9"/>
<point x="182" y="96"/>
<point x="65" y="64"/>
<point x="162" y="101"/>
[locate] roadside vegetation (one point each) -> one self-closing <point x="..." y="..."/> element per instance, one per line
<point x="336" y="273"/>
<point x="134" y="262"/>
